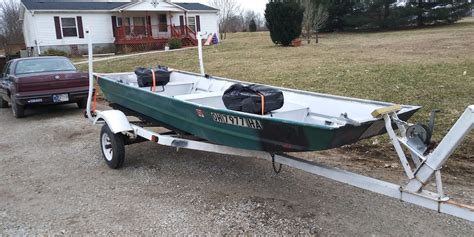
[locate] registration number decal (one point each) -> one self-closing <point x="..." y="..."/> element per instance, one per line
<point x="237" y="121"/>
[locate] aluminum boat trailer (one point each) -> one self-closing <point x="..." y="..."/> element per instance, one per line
<point x="117" y="131"/>
<point x="116" y="125"/>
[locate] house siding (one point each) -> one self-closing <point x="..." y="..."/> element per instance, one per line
<point x="45" y="34"/>
<point x="99" y="23"/>
<point x="39" y="27"/>
<point x="209" y="21"/>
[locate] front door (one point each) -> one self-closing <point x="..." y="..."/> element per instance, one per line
<point x="139" y="26"/>
<point x="163" y="23"/>
<point x="181" y="24"/>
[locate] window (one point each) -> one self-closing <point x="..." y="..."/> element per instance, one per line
<point x="69" y="27"/>
<point x="43" y="65"/>
<point x="119" y="21"/>
<point x="139" y="21"/>
<point x="192" y="22"/>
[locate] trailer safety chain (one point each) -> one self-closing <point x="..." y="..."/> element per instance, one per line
<point x="273" y="164"/>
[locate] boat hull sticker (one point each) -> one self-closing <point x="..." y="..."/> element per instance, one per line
<point x="237" y="121"/>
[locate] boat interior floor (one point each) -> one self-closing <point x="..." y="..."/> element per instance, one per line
<point x="305" y="107"/>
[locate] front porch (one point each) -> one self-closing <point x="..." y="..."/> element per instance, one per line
<point x="152" y="29"/>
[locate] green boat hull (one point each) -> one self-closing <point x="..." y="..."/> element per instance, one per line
<point x="236" y="129"/>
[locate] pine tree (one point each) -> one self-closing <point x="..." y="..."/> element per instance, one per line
<point x="252" y="26"/>
<point x="284" y="20"/>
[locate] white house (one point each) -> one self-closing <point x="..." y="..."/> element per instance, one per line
<point x="60" y="24"/>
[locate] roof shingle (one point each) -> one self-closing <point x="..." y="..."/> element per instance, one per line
<point x="192" y="6"/>
<point x="70" y="5"/>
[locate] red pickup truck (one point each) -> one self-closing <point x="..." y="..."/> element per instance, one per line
<point x="41" y="80"/>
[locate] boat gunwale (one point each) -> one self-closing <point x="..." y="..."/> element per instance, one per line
<point x="275" y="119"/>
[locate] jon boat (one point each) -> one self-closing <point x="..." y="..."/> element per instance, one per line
<point x="192" y="103"/>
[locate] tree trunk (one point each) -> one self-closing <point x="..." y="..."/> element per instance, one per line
<point x="317" y="36"/>
<point x="386" y="14"/>
<point x="308" y="36"/>
<point x="386" y="10"/>
<point x="419" y="18"/>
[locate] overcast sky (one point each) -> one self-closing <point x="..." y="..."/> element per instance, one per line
<point x="256" y="5"/>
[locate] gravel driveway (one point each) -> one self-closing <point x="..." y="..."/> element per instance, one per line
<point x="53" y="181"/>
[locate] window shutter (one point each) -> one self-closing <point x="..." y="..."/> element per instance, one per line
<point x="80" y="28"/>
<point x="57" y="26"/>
<point x="198" y="23"/>
<point x="114" y="25"/>
<point x="148" y="22"/>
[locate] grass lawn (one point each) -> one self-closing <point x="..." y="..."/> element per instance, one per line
<point x="432" y="67"/>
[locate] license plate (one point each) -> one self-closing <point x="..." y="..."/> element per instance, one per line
<point x="60" y="98"/>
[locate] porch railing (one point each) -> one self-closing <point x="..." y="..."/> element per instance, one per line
<point x="147" y="32"/>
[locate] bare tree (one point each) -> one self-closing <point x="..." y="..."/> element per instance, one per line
<point x="228" y="10"/>
<point x="315" y="17"/>
<point x="260" y="21"/>
<point x="320" y="19"/>
<point x="10" y="24"/>
<point x="249" y="15"/>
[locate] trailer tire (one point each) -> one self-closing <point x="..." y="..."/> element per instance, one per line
<point x="112" y="147"/>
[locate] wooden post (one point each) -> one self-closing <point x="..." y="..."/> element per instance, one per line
<point x="186" y="22"/>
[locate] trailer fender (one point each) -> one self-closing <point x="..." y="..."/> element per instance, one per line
<point x="115" y="119"/>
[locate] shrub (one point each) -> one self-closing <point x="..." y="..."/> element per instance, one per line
<point x="284" y="20"/>
<point x="55" y="52"/>
<point x="175" y="43"/>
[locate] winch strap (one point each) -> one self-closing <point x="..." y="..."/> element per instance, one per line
<point x="154" y="79"/>
<point x="263" y="102"/>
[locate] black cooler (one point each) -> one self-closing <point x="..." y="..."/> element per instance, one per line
<point x="145" y="76"/>
<point x="249" y="98"/>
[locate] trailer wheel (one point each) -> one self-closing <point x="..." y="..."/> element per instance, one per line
<point x="113" y="148"/>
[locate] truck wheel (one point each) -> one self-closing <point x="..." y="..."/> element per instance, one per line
<point x="18" y="110"/>
<point x="112" y="146"/>
<point x="3" y="103"/>
<point x="82" y="104"/>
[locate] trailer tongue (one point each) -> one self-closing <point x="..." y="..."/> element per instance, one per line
<point x="118" y="131"/>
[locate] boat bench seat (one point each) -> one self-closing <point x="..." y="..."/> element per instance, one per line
<point x="291" y="111"/>
<point x="173" y="88"/>
<point x="201" y="95"/>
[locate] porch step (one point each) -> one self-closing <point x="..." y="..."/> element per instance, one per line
<point x="186" y="41"/>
